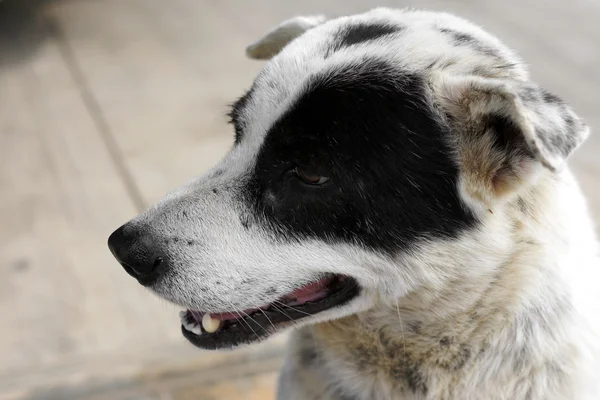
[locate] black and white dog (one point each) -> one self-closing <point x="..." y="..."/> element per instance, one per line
<point x="397" y="190"/>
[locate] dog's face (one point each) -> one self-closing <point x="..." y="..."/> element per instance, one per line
<point x="365" y="145"/>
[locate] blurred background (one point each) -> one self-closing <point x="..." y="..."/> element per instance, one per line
<point x="105" y="105"/>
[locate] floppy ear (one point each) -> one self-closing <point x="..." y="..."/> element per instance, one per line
<point x="275" y="40"/>
<point x="507" y="133"/>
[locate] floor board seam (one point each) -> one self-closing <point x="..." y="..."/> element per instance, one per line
<point x="93" y="107"/>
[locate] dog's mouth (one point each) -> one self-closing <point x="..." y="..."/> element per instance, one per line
<point x="230" y="329"/>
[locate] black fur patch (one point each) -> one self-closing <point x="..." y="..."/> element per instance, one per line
<point x="445" y="341"/>
<point x="551" y="98"/>
<point x="555" y="139"/>
<point x="569" y="121"/>
<point x="371" y="130"/>
<point x="557" y="143"/>
<point x="271" y="291"/>
<point x="462" y="357"/>
<point x="465" y="39"/>
<point x="414" y="378"/>
<point x="523" y="206"/>
<point x="360" y="33"/>
<point x="564" y="139"/>
<point x="414" y="326"/>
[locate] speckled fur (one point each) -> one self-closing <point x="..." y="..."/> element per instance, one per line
<point x="506" y="310"/>
<point x="512" y="332"/>
<point x="497" y="318"/>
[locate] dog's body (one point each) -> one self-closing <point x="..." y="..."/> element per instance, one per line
<point x="398" y="185"/>
<point x="504" y="325"/>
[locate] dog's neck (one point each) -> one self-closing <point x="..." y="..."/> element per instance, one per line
<point x="483" y="280"/>
<point x="506" y="297"/>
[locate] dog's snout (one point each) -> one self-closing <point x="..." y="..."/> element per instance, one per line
<point x="138" y="253"/>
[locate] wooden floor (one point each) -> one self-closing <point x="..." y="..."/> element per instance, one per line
<point x="107" y="104"/>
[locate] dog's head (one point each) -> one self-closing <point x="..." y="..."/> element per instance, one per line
<point x="366" y="145"/>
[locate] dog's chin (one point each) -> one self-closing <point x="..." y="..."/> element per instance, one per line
<point x="231" y="329"/>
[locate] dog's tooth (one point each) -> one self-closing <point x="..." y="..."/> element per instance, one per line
<point x="210" y="324"/>
<point x="187" y="325"/>
<point x="196" y="330"/>
<point x="191" y="326"/>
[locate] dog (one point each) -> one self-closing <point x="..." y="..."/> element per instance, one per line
<point x="398" y="193"/>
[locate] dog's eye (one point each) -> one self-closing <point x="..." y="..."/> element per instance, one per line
<point x="310" y="179"/>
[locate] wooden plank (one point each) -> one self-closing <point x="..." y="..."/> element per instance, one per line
<point x="154" y="373"/>
<point x="61" y="293"/>
<point x="252" y="388"/>
<point x="162" y="81"/>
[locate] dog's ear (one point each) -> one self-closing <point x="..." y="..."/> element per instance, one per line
<point x="275" y="40"/>
<point x="507" y="133"/>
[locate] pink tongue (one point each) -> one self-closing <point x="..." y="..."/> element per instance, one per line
<point x="311" y="292"/>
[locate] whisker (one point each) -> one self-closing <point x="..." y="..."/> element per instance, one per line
<point x="284" y="313"/>
<point x="253" y="331"/>
<point x="240" y="319"/>
<point x="401" y="327"/>
<point x="290" y="307"/>
<point x="267" y="317"/>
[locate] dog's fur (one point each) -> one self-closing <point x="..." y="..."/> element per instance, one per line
<point x="449" y="203"/>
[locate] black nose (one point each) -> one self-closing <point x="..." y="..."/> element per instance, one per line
<point x="137" y="252"/>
